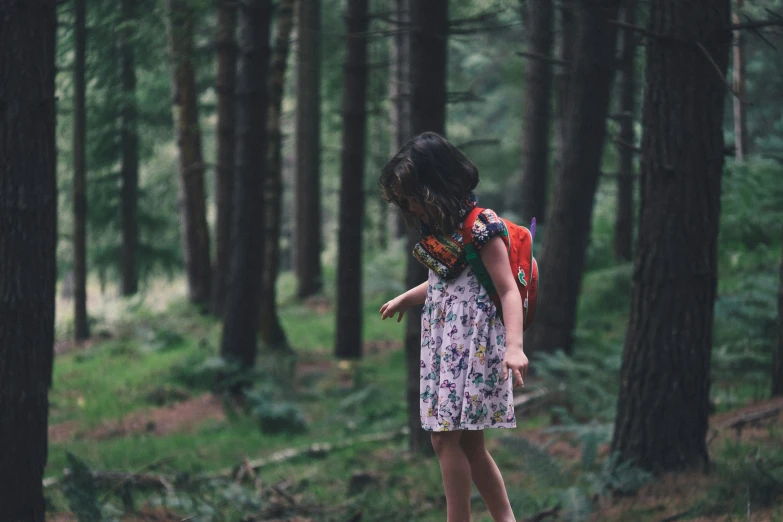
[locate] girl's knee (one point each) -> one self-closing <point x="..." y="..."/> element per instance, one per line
<point x="472" y="444"/>
<point x="445" y="440"/>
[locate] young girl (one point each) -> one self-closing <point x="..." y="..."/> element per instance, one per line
<point x="468" y="357"/>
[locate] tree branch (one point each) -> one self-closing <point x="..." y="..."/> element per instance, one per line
<point x="756" y="25"/>
<point x="541" y="57"/>
<point x="479" y="141"/>
<point x="720" y="73"/>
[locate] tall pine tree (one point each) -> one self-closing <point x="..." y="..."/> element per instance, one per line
<point x="663" y="405"/>
<point x="240" y="325"/>
<point x="193" y="213"/>
<point x="429" y="59"/>
<point x="349" y="269"/>
<point x="28" y="235"/>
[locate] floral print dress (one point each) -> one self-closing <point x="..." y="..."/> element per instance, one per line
<point x="463" y="343"/>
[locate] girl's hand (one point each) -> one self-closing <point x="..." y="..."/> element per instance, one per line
<point x="398" y="304"/>
<point x="516" y="361"/>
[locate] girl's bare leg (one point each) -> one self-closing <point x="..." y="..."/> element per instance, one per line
<point x="486" y="476"/>
<point x="455" y="470"/>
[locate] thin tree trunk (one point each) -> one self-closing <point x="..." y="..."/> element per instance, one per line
<point x="272" y="333"/>
<point x="429" y="48"/>
<point x="28" y="237"/>
<point x="566" y="36"/>
<point x="224" y="171"/>
<point x="623" y="223"/>
<point x="663" y="405"/>
<point x="400" y="95"/>
<point x="307" y="232"/>
<point x="568" y="217"/>
<point x="538" y="88"/>
<point x="81" y="327"/>
<point x="740" y="114"/>
<point x="192" y="200"/>
<point x="777" y="355"/>
<point x="130" y="152"/>
<point x="243" y="303"/>
<point x="349" y="266"/>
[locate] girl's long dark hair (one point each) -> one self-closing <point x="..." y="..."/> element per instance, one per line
<point x="434" y="173"/>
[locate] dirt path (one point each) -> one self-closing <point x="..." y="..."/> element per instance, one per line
<point x="182" y="416"/>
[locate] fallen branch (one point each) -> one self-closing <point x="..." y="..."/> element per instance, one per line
<point x="544" y="514"/>
<point x="528" y="397"/>
<point x="752" y="417"/>
<point x="318" y="449"/>
<point x="678" y="516"/>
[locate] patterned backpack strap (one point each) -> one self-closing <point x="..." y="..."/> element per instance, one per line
<point x="472" y="256"/>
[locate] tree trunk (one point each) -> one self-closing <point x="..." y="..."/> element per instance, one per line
<point x="243" y="303"/>
<point x="740" y="114"/>
<point x="81" y="327"/>
<point x="429" y="47"/>
<point x="777" y="355"/>
<point x="130" y="152"/>
<point x="272" y="333"/>
<point x="566" y="36"/>
<point x="663" y="403"/>
<point x="28" y="237"/>
<point x="400" y="95"/>
<point x="307" y="231"/>
<point x="623" y="223"/>
<point x="568" y="218"/>
<point x="224" y="170"/>
<point x="192" y="201"/>
<point x="349" y="267"/>
<point x="535" y="134"/>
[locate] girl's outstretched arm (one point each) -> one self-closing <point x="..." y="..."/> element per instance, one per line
<point x="494" y="256"/>
<point x="401" y="303"/>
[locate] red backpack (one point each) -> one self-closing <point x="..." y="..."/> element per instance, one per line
<point x="519" y="241"/>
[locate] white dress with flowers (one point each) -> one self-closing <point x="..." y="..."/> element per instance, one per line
<point x="463" y="342"/>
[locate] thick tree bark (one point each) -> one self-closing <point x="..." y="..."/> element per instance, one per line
<point x="28" y="236"/>
<point x="777" y="355"/>
<point x="623" y="223"/>
<point x="566" y="35"/>
<point x="536" y="125"/>
<point x="81" y="327"/>
<point x="272" y="333"/>
<point x="568" y="218"/>
<point x="224" y="170"/>
<point x="663" y="403"/>
<point x="429" y="48"/>
<point x="400" y="95"/>
<point x="243" y="303"/>
<point x="307" y="230"/>
<point x="740" y="113"/>
<point x="348" y="343"/>
<point x="192" y="200"/>
<point x="130" y="152"/>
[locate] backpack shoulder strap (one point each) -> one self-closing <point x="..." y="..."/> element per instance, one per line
<point x="472" y="255"/>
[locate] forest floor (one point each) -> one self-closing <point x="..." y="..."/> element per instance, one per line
<point x="138" y="400"/>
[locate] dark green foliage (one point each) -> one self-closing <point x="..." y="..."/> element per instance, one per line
<point x="752" y="207"/>
<point x="275" y="416"/>
<point x="746" y="476"/>
<point x="199" y="373"/>
<point x="80" y="490"/>
<point x="589" y="379"/>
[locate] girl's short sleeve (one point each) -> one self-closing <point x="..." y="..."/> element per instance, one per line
<point x="487" y="225"/>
